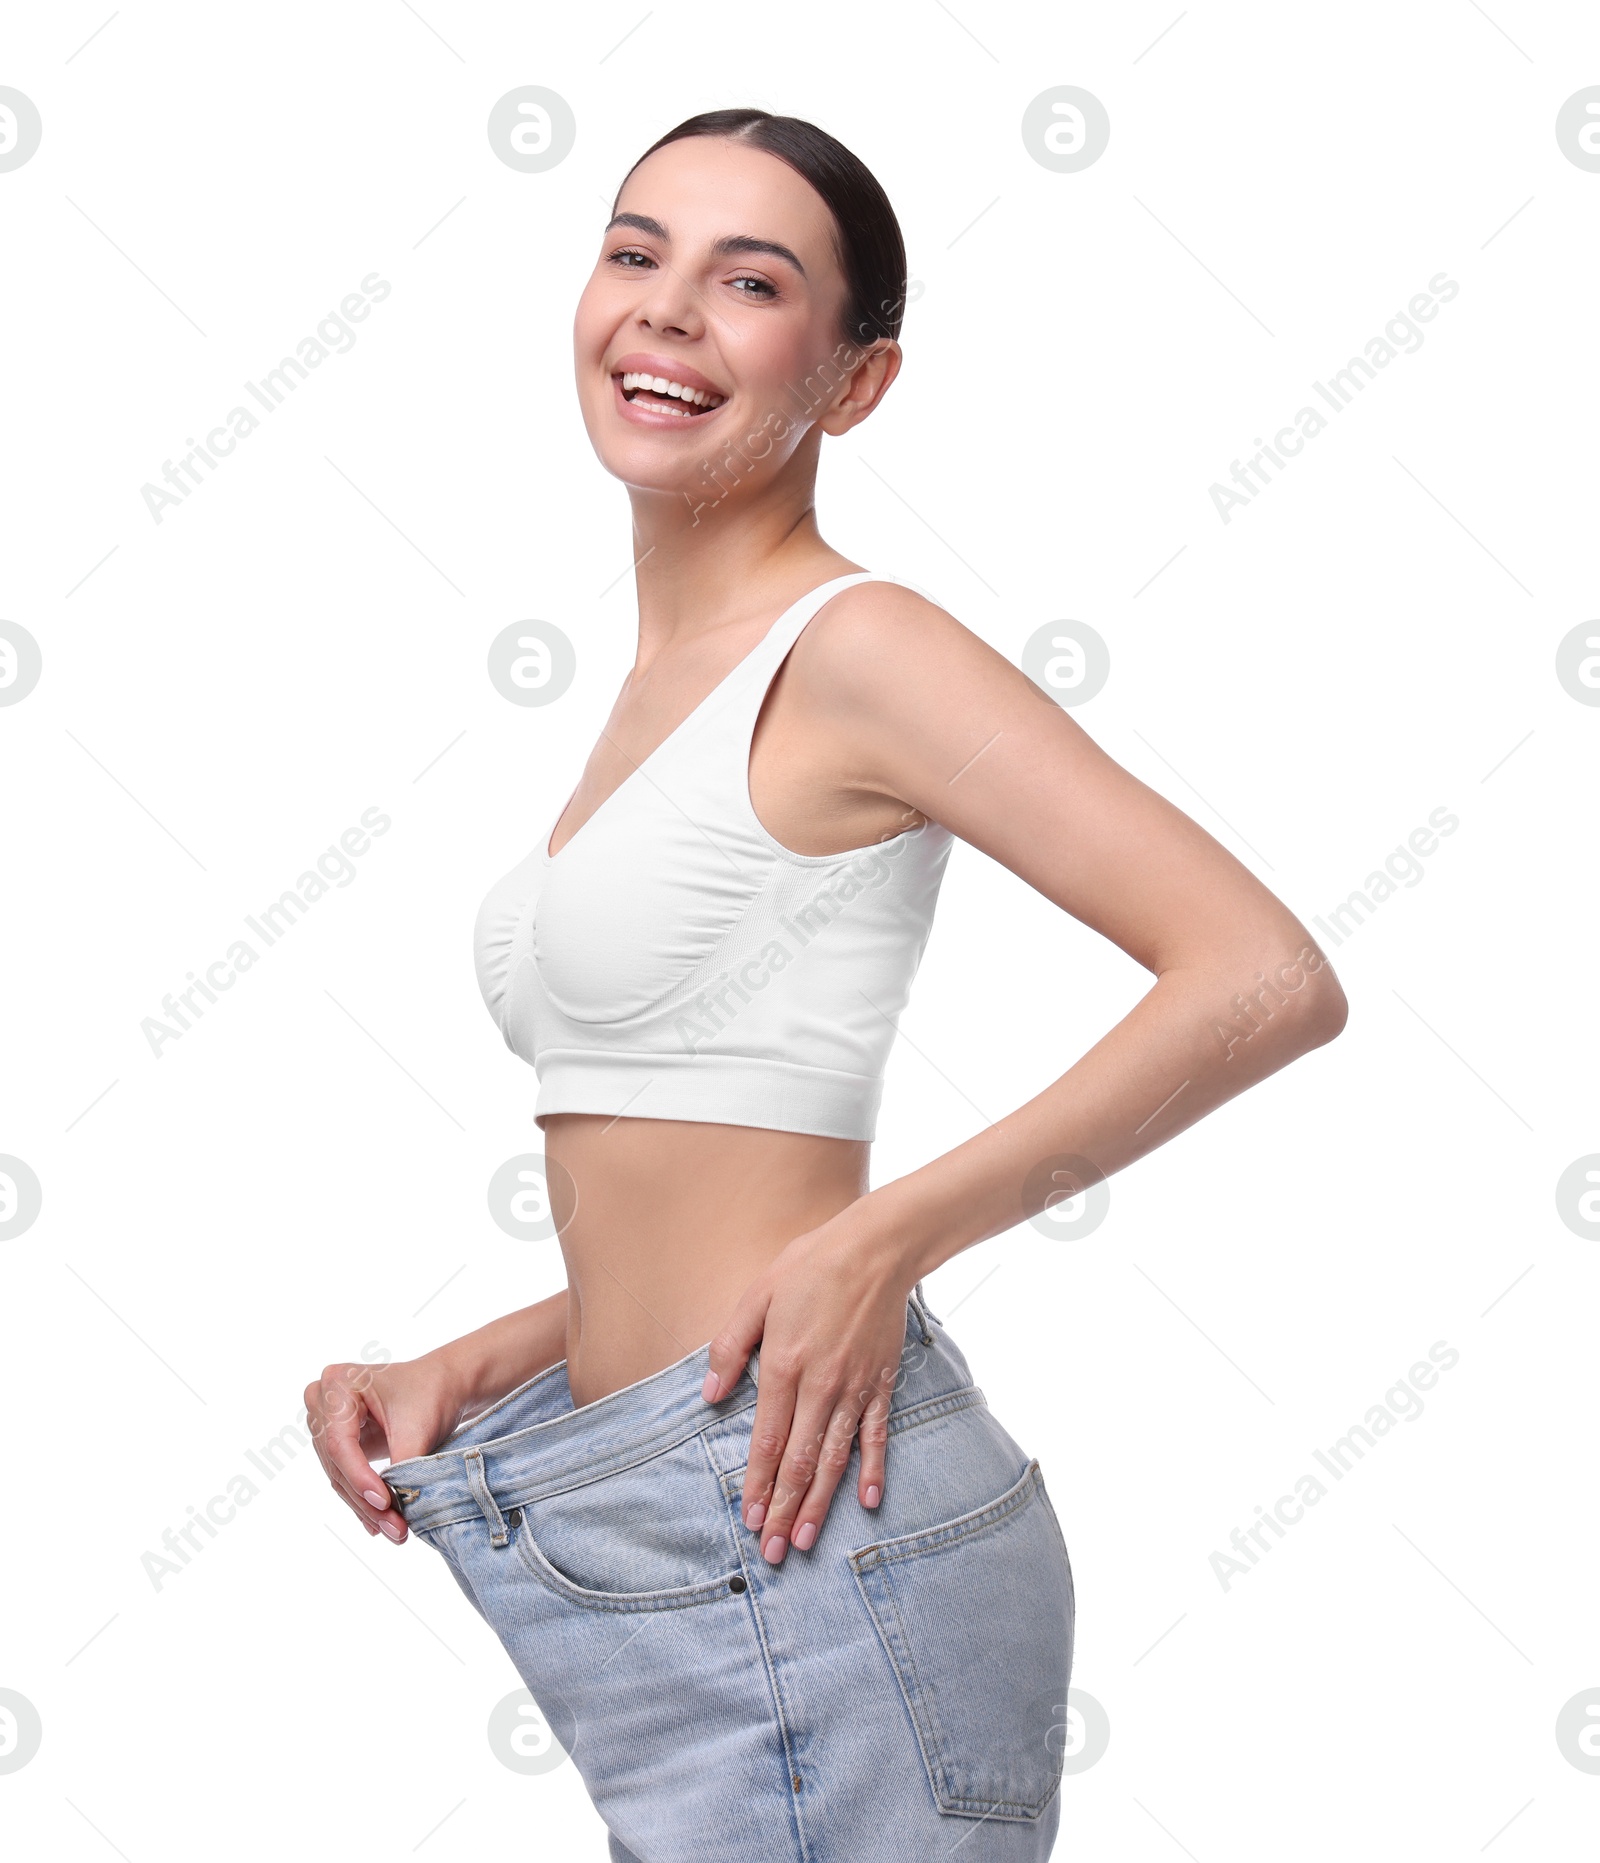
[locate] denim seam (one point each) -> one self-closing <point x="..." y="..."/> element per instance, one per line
<point x="951" y="1532"/>
<point x="780" y="1711"/>
<point x="1072" y="1590"/>
<point x="722" y="1494"/>
<point x="790" y="1762"/>
<point x="706" y="1436"/>
<point x="932" y="1408"/>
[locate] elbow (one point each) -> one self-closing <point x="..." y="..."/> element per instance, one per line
<point x="1294" y="1005"/>
<point x="1332" y="1017"/>
<point x="1300" y="1001"/>
<point x="1326" y="1010"/>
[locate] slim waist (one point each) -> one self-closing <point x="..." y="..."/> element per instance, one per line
<point x="532" y="1442"/>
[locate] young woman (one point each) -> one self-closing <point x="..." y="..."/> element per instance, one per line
<point x="778" y="1578"/>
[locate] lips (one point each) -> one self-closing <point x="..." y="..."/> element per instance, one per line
<point x="656" y="390"/>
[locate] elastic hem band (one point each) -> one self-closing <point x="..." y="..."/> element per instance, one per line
<point x="709" y="1088"/>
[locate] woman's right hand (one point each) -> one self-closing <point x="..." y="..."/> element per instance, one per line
<point x="359" y="1411"/>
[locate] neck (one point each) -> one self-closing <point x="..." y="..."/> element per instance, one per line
<point x="738" y="551"/>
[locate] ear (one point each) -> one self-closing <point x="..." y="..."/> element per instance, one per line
<point x="866" y="385"/>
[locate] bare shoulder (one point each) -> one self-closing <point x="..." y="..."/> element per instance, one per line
<point x="880" y="646"/>
<point x="894" y="689"/>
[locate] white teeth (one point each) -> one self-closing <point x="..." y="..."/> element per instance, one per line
<point x="659" y="384"/>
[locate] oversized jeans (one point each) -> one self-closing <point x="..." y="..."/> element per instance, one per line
<point x="895" y="1693"/>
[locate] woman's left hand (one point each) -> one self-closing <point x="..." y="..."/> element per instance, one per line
<point x="831" y="1322"/>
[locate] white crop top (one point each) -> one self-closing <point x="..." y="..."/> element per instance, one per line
<point x="674" y="961"/>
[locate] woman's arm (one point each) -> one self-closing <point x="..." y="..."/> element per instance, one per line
<point x="358" y="1412"/>
<point x="483" y="1366"/>
<point x="917" y="708"/>
<point x="1201" y="1035"/>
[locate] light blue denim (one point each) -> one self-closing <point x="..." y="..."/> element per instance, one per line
<point x="895" y="1693"/>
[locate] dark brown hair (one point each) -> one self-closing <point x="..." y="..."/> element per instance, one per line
<point x="867" y="241"/>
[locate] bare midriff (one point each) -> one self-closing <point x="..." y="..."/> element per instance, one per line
<point x="664" y="1223"/>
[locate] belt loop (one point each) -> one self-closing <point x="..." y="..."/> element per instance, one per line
<point x="922" y="1314"/>
<point x="478" y="1482"/>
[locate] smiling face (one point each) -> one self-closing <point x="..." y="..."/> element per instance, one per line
<point x="717" y="296"/>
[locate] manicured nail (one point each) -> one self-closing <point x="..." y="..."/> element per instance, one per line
<point x="774" y="1549"/>
<point x="754" y="1514"/>
<point x="391" y="1527"/>
<point x="803" y="1536"/>
<point x="377" y="1500"/>
<point x="874" y="1495"/>
<point x="711" y="1390"/>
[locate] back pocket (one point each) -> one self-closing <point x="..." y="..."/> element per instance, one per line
<point x="976" y="1618"/>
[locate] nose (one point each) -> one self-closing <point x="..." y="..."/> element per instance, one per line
<point x="671" y="305"/>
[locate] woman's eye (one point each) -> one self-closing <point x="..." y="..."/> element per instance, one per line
<point x="628" y="253"/>
<point x="760" y="287"/>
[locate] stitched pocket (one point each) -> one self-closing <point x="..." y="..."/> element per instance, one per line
<point x="670" y="1598"/>
<point x="975" y="1616"/>
<point x="652" y="1537"/>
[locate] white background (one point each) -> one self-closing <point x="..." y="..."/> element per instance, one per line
<point x="301" y="1177"/>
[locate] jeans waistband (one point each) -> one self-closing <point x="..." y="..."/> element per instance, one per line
<point x="533" y="1442"/>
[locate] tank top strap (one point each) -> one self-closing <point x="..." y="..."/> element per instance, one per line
<point x="748" y="686"/>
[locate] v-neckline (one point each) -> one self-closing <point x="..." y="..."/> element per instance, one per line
<point x="682" y="725"/>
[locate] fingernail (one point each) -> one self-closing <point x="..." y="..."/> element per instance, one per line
<point x="712" y="1388"/>
<point x="391" y="1527"/>
<point x="774" y="1549"/>
<point x="377" y="1500"/>
<point x="803" y="1536"/>
<point x="873" y="1495"/>
<point x="754" y="1514"/>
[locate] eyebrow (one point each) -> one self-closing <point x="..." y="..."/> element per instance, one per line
<point x="723" y="248"/>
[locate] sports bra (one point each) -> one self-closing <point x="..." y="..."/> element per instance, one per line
<point x="674" y="961"/>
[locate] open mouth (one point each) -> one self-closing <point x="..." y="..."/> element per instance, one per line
<point x="670" y="397"/>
